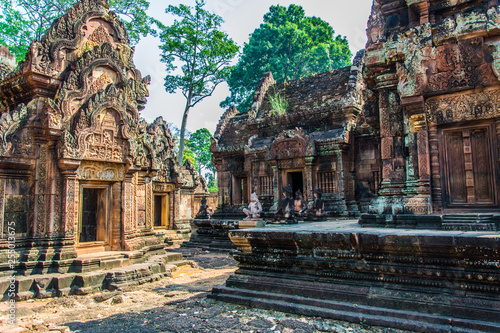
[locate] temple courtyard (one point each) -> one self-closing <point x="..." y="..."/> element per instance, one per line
<point x="175" y="304"/>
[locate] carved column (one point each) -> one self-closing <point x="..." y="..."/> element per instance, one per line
<point x="276" y="188"/>
<point x="127" y="204"/>
<point x="392" y="150"/>
<point x="40" y="207"/>
<point x="2" y="206"/>
<point x="149" y="206"/>
<point x="69" y="205"/>
<point x="437" y="205"/>
<point x="417" y="200"/>
<point x="497" y="125"/>
<point x="54" y="188"/>
<point x="341" y="172"/>
<point x="309" y="179"/>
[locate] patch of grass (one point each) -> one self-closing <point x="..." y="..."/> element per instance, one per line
<point x="279" y="104"/>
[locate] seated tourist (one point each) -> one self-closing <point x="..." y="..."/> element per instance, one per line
<point x="254" y="208"/>
<point x="210" y="212"/>
<point x="300" y="204"/>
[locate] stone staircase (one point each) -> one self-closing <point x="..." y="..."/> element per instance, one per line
<point x="92" y="273"/>
<point x="471" y="222"/>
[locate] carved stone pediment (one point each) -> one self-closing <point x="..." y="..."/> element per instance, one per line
<point x="292" y="144"/>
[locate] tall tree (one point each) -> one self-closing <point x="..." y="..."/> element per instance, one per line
<point x="203" y="51"/>
<point x="199" y="143"/>
<point x="289" y="44"/>
<point x="22" y="21"/>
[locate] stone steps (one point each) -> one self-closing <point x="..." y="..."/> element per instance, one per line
<point x="110" y="277"/>
<point x="469" y="222"/>
<point x="336" y="310"/>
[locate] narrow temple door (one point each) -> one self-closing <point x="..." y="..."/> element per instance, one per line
<point x="89" y="215"/>
<point x="468" y="168"/>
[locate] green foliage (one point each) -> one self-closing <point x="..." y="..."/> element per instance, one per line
<point x="279" y="103"/>
<point x="291" y="46"/>
<point x="22" y="21"/>
<point x="199" y="143"/>
<point x="211" y="183"/>
<point x="203" y="52"/>
<point x="189" y="155"/>
<point x="197" y="150"/>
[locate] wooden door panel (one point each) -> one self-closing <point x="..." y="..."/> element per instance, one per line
<point x="481" y="160"/>
<point x="457" y="190"/>
<point x="468" y="169"/>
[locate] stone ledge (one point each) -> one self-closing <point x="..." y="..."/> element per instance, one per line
<point x="444" y="280"/>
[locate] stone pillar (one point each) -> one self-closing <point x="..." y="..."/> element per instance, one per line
<point x="69" y="206"/>
<point x="418" y="199"/>
<point x="149" y="206"/>
<point x="341" y="172"/>
<point x="437" y="204"/>
<point x="276" y="188"/>
<point x="391" y="192"/>
<point x="40" y="191"/>
<point x="69" y="218"/>
<point x="127" y="204"/>
<point x="2" y="205"/>
<point x="309" y="179"/>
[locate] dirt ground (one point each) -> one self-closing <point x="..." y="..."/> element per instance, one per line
<point x="178" y="304"/>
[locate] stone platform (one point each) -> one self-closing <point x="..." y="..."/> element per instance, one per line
<point x="211" y="234"/>
<point x="93" y="272"/>
<point x="420" y="280"/>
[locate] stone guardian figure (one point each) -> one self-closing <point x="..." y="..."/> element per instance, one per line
<point x="254" y="208"/>
<point x="202" y="213"/>
<point x="287" y="207"/>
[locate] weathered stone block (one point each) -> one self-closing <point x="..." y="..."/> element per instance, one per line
<point x="89" y="282"/>
<point x="25" y="288"/>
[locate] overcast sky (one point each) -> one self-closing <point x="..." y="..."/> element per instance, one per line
<point x="242" y="17"/>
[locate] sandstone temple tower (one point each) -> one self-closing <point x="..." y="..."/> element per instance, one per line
<point x="80" y="172"/>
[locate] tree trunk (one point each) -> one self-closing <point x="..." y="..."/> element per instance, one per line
<point x="183" y="130"/>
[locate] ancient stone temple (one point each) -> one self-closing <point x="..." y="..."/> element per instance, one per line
<point x="80" y="172"/>
<point x="422" y="164"/>
<point x="412" y="128"/>
<point x="432" y="70"/>
<point x="311" y="144"/>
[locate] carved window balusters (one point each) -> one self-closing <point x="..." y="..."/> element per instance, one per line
<point x="328" y="182"/>
<point x="266" y="185"/>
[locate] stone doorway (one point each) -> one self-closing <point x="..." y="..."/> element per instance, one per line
<point x="161" y="211"/>
<point x="296" y="180"/>
<point x="468" y="165"/>
<point x="240" y="190"/>
<point x="93" y="227"/>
